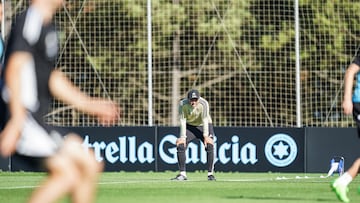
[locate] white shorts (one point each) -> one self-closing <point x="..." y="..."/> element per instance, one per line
<point x="38" y="140"/>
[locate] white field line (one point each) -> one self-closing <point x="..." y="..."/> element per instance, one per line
<point x="280" y="178"/>
<point x="18" y="187"/>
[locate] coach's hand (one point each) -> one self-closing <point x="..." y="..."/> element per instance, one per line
<point x="181" y="140"/>
<point x="208" y="140"/>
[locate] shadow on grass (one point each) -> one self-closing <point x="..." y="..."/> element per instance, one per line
<point x="281" y="198"/>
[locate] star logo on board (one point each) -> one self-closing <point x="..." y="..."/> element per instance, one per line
<point x="281" y="150"/>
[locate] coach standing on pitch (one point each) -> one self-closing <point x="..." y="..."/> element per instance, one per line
<point x="195" y="122"/>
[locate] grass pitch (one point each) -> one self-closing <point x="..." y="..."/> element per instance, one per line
<point x="152" y="187"/>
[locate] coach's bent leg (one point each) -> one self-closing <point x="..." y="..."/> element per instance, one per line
<point x="181" y="148"/>
<point x="210" y="157"/>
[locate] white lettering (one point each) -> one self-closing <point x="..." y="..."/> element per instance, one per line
<point x="222" y="153"/>
<point x="122" y="144"/>
<point x="110" y="150"/>
<point x="169" y="156"/>
<point x="235" y="150"/>
<point x="132" y="149"/>
<point x="128" y="150"/>
<point x="248" y="154"/>
<point x="145" y="153"/>
<point x="192" y="153"/>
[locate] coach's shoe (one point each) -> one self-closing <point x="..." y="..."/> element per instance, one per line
<point x="179" y="177"/>
<point x="211" y="177"/>
<point x="340" y="191"/>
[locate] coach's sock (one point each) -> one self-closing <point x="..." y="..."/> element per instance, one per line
<point x="345" y="179"/>
<point x="183" y="173"/>
<point x="181" y="157"/>
<point x="210" y="157"/>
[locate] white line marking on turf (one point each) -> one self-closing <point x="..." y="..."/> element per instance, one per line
<point x="18" y="187"/>
<point x="281" y="178"/>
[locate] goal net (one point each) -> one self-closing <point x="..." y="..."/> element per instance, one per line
<point x="240" y="55"/>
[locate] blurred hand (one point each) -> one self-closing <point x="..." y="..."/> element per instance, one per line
<point x="347" y="106"/>
<point x="8" y="139"/>
<point x="107" y="112"/>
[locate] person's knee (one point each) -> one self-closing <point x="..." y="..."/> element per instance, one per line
<point x="209" y="147"/>
<point x="181" y="144"/>
<point x="87" y="165"/>
<point x="180" y="141"/>
<point x="93" y="167"/>
<point x="63" y="170"/>
<point x="181" y="147"/>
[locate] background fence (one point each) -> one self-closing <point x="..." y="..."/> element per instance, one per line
<point x="240" y="54"/>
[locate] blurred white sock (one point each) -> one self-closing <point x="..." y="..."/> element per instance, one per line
<point x="183" y="173"/>
<point x="345" y="179"/>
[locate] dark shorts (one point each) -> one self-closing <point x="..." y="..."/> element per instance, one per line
<point x="356" y="116"/>
<point x="26" y="163"/>
<point x="193" y="132"/>
<point x="356" y="113"/>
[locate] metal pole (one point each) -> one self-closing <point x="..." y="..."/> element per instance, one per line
<point x="175" y="97"/>
<point x="297" y="52"/>
<point x="176" y="75"/>
<point x="150" y="110"/>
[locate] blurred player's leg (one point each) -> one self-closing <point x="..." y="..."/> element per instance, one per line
<point x="72" y="171"/>
<point x="340" y="185"/>
<point x="62" y="176"/>
<point x="340" y="191"/>
<point x="85" y="189"/>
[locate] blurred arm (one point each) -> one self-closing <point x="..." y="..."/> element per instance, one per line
<point x="63" y="89"/>
<point x="11" y="132"/>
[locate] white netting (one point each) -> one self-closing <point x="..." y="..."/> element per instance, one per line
<point x="239" y="54"/>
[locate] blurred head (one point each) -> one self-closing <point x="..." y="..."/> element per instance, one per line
<point x="193" y="97"/>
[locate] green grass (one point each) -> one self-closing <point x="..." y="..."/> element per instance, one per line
<point x="137" y="187"/>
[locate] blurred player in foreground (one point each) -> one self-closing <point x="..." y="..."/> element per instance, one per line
<point x="195" y="123"/>
<point x="3" y="107"/>
<point x="30" y="84"/>
<point x="351" y="104"/>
